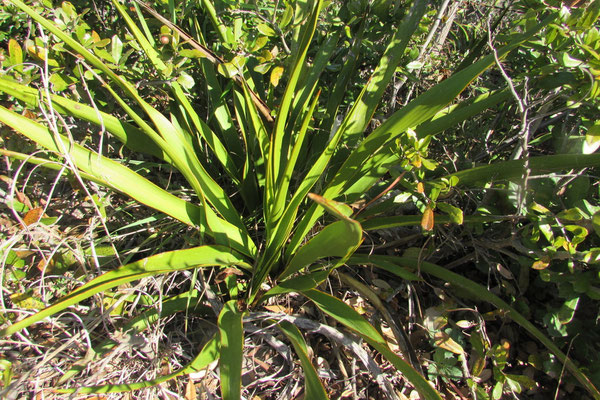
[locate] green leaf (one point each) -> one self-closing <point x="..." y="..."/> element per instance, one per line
<point x="455" y="213"/>
<point x="265" y="30"/>
<point x="596" y="222"/>
<point x="197" y="257"/>
<point x="567" y="310"/>
<point x="479" y="291"/>
<point x="191" y="53"/>
<point x="118" y="177"/>
<point x="277" y="151"/>
<point x="339" y="210"/>
<point x="347" y="316"/>
<point x="15" y="55"/>
<point x="61" y="82"/>
<point x="314" y="386"/>
<point x="232" y="344"/>
<point x="116" y="48"/>
<point x="361" y="113"/>
<point x="209" y="353"/>
<point x="134" y="138"/>
<point x="298" y="283"/>
<point x="372" y="157"/>
<point x="514" y="169"/>
<point x="186" y="81"/>
<point x="339" y="239"/>
<point x="388" y="266"/>
<point x="287" y="16"/>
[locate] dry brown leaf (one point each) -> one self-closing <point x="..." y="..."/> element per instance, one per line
<point x="427" y="220"/>
<point x="279" y="309"/>
<point x="540" y="264"/>
<point x="262" y="364"/>
<point x="505" y="272"/>
<point x="23" y="199"/>
<point x="444" y="341"/>
<point x="221" y="276"/>
<point x="33" y="216"/>
<point x="190" y="390"/>
<point x="44" y="265"/>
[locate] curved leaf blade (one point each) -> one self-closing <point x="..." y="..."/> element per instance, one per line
<point x="232" y="345"/>
<point x="347" y="316"/>
<point x="338" y="239"/>
<point x="209" y="353"/>
<point x="484" y="294"/>
<point x="163" y="263"/>
<point x="314" y="386"/>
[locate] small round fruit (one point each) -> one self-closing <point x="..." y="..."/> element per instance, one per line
<point x="165" y="39"/>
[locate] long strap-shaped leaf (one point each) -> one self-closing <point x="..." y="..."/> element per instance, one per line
<point x="362" y="161"/>
<point x="113" y="174"/>
<point x="212" y="57"/>
<point x="116" y="176"/>
<point x="359" y="116"/>
<point x="514" y="168"/>
<point x="347" y="316"/>
<point x="414" y="220"/>
<point x="164" y="263"/>
<point x="339" y="239"/>
<point x="170" y="140"/>
<point x="277" y="152"/>
<point x="281" y="194"/>
<point x="207" y="134"/>
<point x="314" y="386"/>
<point x="231" y="332"/>
<point x="484" y="294"/>
<point x="209" y="353"/>
<point x="134" y="138"/>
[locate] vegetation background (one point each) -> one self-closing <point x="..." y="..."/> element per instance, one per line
<point x="300" y="199"/>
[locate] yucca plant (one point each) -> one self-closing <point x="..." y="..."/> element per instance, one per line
<point x="296" y="168"/>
